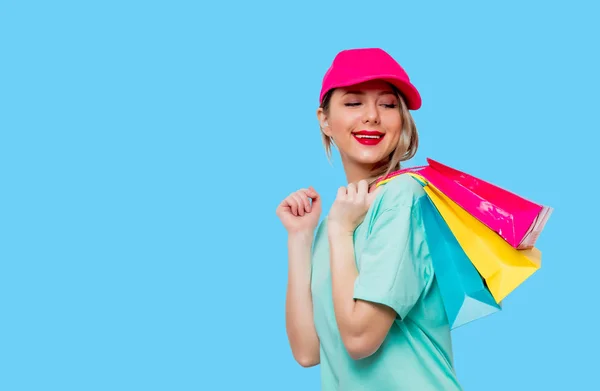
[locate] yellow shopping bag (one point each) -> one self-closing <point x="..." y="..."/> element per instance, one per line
<point x="502" y="266"/>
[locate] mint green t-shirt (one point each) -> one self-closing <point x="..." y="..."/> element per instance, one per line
<point x="395" y="269"/>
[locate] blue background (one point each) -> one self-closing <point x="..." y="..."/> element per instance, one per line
<point x="145" y="145"/>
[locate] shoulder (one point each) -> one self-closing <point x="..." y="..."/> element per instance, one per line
<point x="402" y="191"/>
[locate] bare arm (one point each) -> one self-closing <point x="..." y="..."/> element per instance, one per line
<point x="363" y="325"/>
<point x="299" y="318"/>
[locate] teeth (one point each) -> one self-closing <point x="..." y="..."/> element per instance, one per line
<point x="365" y="136"/>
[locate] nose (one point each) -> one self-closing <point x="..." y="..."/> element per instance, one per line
<point x="371" y="114"/>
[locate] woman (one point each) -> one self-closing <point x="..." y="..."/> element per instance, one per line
<point x="363" y="302"/>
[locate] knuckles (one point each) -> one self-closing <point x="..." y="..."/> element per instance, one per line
<point x="349" y="195"/>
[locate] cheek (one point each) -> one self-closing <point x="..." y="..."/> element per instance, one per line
<point x="393" y="124"/>
<point x="343" y="124"/>
<point x="394" y="130"/>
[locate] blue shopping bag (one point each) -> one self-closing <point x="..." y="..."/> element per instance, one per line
<point x="465" y="295"/>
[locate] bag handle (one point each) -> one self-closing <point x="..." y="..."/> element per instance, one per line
<point x="394" y="174"/>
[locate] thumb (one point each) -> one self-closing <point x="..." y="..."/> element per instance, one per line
<point x="312" y="193"/>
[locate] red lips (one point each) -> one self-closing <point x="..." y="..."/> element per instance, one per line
<point x="369" y="133"/>
<point x="368" y="137"/>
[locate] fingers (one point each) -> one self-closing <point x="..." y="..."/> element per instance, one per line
<point x="362" y="190"/>
<point x="305" y="199"/>
<point x="292" y="204"/>
<point x="354" y="192"/>
<point x="312" y="193"/>
<point x="299" y="202"/>
<point x="351" y="191"/>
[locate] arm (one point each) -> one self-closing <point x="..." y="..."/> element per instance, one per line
<point x="363" y="325"/>
<point x="393" y="270"/>
<point x="299" y="319"/>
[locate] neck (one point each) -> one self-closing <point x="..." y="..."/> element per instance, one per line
<point x="356" y="172"/>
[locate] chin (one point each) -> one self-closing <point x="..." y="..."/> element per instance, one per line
<point x="365" y="154"/>
<point x="369" y="157"/>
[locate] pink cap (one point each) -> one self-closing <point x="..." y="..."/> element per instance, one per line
<point x="355" y="66"/>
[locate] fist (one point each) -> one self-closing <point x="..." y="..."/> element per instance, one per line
<point x="300" y="211"/>
<point x="350" y="207"/>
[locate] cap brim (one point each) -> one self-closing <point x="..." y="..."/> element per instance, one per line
<point x="408" y="90"/>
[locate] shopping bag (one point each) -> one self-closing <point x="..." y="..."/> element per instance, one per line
<point x="502" y="266"/>
<point x="516" y="219"/>
<point x="465" y="296"/>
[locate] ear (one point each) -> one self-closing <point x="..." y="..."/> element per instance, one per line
<point x="323" y="121"/>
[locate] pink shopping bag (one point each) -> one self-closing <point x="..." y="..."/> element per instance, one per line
<point x="517" y="220"/>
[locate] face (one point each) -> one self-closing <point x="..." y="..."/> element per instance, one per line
<point x="364" y="122"/>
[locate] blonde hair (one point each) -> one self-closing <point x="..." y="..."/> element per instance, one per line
<point x="406" y="148"/>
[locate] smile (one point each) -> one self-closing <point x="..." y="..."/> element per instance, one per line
<point x="366" y="137"/>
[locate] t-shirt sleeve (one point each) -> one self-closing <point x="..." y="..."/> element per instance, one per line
<point x="392" y="268"/>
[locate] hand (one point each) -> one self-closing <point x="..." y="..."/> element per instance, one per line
<point x="350" y="207"/>
<point x="297" y="213"/>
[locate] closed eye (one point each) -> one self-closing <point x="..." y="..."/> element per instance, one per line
<point x="351" y="104"/>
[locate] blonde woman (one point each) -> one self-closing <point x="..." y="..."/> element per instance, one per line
<point x="362" y="298"/>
